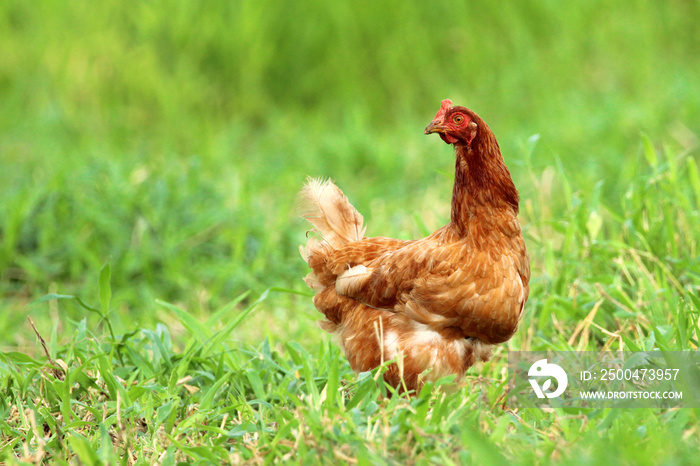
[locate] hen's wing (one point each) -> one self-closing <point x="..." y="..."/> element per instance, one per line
<point x="454" y="285"/>
<point x="329" y="262"/>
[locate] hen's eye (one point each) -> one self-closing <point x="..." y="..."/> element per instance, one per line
<point x="458" y="119"/>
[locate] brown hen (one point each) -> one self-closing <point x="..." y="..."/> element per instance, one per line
<point x="436" y="304"/>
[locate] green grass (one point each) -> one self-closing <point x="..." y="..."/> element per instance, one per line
<point x="149" y="158"/>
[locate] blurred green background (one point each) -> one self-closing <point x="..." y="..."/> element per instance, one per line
<point x="170" y="137"/>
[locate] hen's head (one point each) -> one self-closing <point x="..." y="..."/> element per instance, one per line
<point x="455" y="125"/>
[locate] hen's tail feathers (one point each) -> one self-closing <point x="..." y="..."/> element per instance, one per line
<point x="331" y="214"/>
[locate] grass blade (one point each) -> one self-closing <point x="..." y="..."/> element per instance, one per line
<point x="105" y="290"/>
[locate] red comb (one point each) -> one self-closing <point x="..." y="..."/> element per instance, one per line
<point x="445" y="105"/>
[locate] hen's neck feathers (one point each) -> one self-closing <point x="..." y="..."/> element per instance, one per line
<point x="483" y="189"/>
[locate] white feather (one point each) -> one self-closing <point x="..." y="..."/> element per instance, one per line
<point x="352" y="280"/>
<point x="331" y="214"/>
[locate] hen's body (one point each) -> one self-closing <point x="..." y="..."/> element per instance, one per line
<point x="437" y="303"/>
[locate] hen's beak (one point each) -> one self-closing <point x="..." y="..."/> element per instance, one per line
<point x="435" y="127"/>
